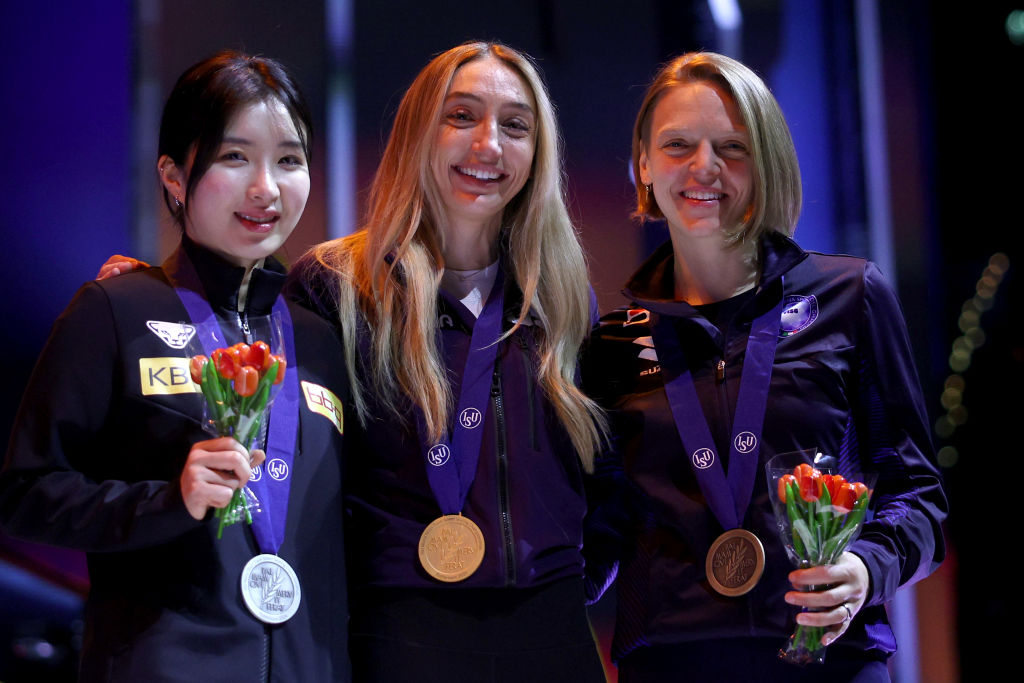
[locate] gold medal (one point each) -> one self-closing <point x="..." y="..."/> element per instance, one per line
<point x="735" y="562"/>
<point x="451" y="548"/>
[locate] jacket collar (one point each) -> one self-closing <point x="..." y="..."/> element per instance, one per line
<point x="449" y="305"/>
<point x="652" y="286"/>
<point x="222" y="280"/>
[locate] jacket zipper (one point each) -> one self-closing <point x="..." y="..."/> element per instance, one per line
<point x="503" y="487"/>
<point x="242" y="318"/>
<point x="243" y="325"/>
<point x="265" y="664"/>
<point x="528" y="373"/>
<point x="242" y="312"/>
<point x="723" y="398"/>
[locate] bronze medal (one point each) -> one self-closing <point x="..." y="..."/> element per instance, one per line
<point x="451" y="548"/>
<point x="735" y="562"/>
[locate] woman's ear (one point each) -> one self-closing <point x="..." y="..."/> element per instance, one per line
<point x="172" y="177"/>
<point x="645" y="174"/>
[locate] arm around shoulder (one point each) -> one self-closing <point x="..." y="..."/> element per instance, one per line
<point x="612" y="501"/>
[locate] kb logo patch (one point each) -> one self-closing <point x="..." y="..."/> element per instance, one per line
<point x="470" y="418"/>
<point x="703" y="458"/>
<point x="165" y="376"/>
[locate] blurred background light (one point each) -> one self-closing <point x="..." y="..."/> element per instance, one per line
<point x="1015" y="27"/>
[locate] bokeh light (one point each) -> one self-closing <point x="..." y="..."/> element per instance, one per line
<point x="947" y="456"/>
<point x="1015" y="27"/>
<point x="964" y="346"/>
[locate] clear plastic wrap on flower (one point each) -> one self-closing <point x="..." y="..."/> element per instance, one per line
<point x="238" y="384"/>
<point x="818" y="513"/>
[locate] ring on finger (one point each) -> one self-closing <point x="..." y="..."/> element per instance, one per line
<point x="849" y="614"/>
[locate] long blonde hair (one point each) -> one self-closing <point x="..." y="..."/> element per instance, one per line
<point x="390" y="271"/>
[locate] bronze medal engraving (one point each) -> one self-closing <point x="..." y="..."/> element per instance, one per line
<point x="735" y="562"/>
<point x="451" y="548"/>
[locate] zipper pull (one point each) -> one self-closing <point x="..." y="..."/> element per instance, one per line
<point x="720" y="371"/>
<point x="243" y="325"/>
<point x="496" y="379"/>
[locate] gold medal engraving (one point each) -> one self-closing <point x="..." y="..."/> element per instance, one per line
<point x="735" y="562"/>
<point x="451" y="548"/>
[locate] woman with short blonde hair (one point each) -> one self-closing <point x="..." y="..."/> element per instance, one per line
<point x="737" y="346"/>
<point x="777" y="193"/>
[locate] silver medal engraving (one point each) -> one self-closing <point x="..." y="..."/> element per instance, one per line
<point x="270" y="589"/>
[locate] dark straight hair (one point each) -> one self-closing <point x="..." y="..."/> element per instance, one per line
<point x="205" y="98"/>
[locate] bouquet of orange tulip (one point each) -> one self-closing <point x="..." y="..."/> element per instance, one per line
<point x="237" y="383"/>
<point x="818" y="514"/>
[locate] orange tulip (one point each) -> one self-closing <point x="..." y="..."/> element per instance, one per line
<point x="227" y="362"/>
<point x="246" y="381"/>
<point x="281" y="364"/>
<point x="784" y="481"/>
<point x="195" y="367"/>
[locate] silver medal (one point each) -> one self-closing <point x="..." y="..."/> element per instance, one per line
<point x="270" y="589"/>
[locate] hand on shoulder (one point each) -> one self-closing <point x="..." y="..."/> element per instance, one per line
<point x="118" y="265"/>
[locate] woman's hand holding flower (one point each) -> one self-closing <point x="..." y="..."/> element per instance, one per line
<point x="214" y="470"/>
<point x="846" y="583"/>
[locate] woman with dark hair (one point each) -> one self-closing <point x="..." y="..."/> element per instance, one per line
<point x="108" y="454"/>
<point x="464" y="301"/>
<point x="738" y="345"/>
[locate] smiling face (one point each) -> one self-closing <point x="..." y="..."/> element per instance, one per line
<point x="249" y="200"/>
<point x="696" y="157"/>
<point x="483" y="153"/>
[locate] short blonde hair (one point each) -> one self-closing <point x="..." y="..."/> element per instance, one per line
<point x="777" y="191"/>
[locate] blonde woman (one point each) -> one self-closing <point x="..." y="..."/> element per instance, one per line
<point x="832" y="367"/>
<point x="463" y="302"/>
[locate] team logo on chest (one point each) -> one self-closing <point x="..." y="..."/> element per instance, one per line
<point x="323" y="401"/>
<point x="637" y="316"/>
<point x="175" y="335"/>
<point x="798" y="312"/>
<point x="165" y="376"/>
<point x="647" y="352"/>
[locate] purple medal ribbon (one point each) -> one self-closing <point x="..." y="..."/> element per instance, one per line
<point x="451" y="463"/>
<point x="727" y="496"/>
<point x="274" y="487"/>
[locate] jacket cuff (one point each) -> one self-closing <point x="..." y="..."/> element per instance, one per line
<point x="882" y="577"/>
<point x="173" y="502"/>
